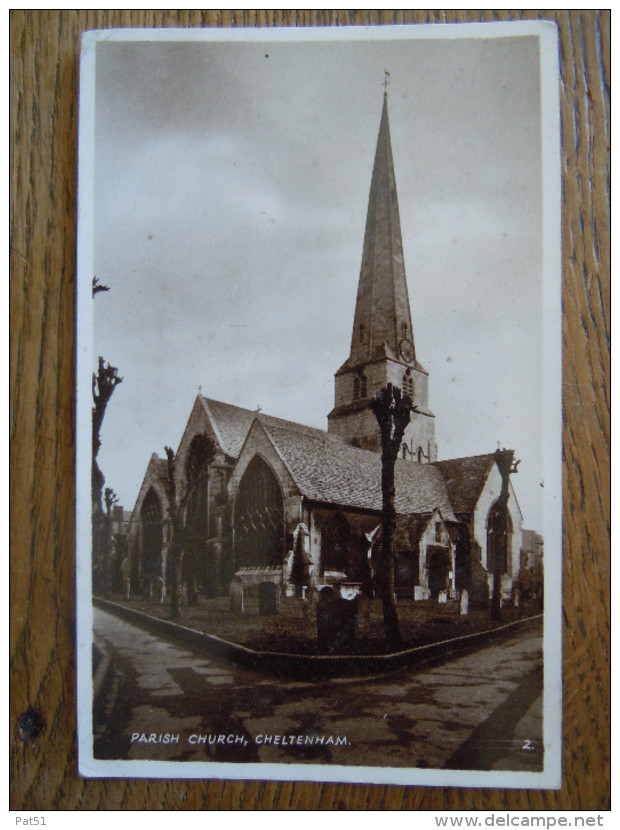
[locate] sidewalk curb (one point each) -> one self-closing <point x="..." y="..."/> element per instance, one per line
<point x="317" y="667"/>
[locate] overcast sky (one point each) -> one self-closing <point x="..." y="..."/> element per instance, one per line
<point x="231" y="186"/>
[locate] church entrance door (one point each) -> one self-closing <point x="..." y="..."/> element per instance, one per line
<point x="438" y="569"/>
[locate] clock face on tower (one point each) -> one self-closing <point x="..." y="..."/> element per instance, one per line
<point x="407" y="351"/>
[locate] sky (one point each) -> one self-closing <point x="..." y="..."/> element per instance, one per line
<point x="230" y="191"/>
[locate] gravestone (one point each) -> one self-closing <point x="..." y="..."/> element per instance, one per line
<point x="325" y="620"/>
<point x="268" y="595"/>
<point x="464" y="604"/>
<point x="346" y="625"/>
<point x="236" y="596"/>
<point x="336" y="621"/>
<point x="443" y="596"/>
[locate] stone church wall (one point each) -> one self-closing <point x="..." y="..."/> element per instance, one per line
<point x="490" y="493"/>
<point x="359" y="425"/>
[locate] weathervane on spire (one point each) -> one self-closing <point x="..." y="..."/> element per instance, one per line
<point x="386" y="81"/>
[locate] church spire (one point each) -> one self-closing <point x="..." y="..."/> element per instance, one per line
<point x="382" y="314"/>
<point x="382" y="349"/>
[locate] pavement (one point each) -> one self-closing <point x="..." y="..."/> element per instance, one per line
<point x="451" y="634"/>
<point x="480" y="711"/>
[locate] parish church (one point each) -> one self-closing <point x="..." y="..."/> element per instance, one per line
<point x="256" y="498"/>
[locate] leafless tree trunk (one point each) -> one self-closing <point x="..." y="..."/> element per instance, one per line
<point x="393" y="412"/>
<point x="176" y="548"/>
<point x="104" y="383"/>
<point x="507" y="466"/>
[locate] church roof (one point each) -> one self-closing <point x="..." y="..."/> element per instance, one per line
<point x="232" y="424"/>
<point x="326" y="469"/>
<point x="465" y="478"/>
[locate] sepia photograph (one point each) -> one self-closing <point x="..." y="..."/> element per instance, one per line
<point x="319" y="405"/>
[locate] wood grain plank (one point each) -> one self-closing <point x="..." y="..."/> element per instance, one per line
<point x="44" y="50"/>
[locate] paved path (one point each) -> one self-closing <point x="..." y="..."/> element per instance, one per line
<point x="479" y="711"/>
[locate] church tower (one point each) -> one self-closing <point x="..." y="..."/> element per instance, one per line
<point x="382" y="344"/>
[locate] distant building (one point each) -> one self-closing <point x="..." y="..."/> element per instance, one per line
<point x="253" y="489"/>
<point x="532" y="564"/>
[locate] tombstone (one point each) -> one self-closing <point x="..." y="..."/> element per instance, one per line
<point x="344" y="639"/>
<point x="268" y="595"/>
<point x="464" y="603"/>
<point x="363" y="607"/>
<point x="236" y="595"/>
<point x="442" y="596"/>
<point x="516" y="597"/>
<point x="312" y="597"/>
<point x="349" y="591"/>
<point x="325" y="620"/>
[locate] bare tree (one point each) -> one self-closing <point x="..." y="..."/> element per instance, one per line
<point x="185" y="551"/>
<point x="507" y="466"/>
<point x="176" y="546"/>
<point x="110" y="499"/>
<point x="105" y="382"/>
<point x="393" y="412"/>
<point x="97" y="287"/>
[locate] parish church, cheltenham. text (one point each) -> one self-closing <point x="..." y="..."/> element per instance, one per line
<point x="259" y="499"/>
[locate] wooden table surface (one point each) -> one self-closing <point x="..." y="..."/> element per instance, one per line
<point x="44" y="52"/>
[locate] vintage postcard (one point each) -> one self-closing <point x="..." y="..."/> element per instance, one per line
<point x="319" y="423"/>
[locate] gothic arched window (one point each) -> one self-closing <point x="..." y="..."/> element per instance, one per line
<point x="499" y="538"/>
<point x="259" y="517"/>
<point x="363" y="387"/>
<point x="356" y="388"/>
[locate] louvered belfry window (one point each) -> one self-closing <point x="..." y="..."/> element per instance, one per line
<point x="408" y="385"/>
<point x="259" y="518"/>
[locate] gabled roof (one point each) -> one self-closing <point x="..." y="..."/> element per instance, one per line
<point x="327" y="470"/>
<point x="232" y="424"/>
<point x="465" y="478"/>
<point x="158" y="468"/>
<point x="156" y="477"/>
